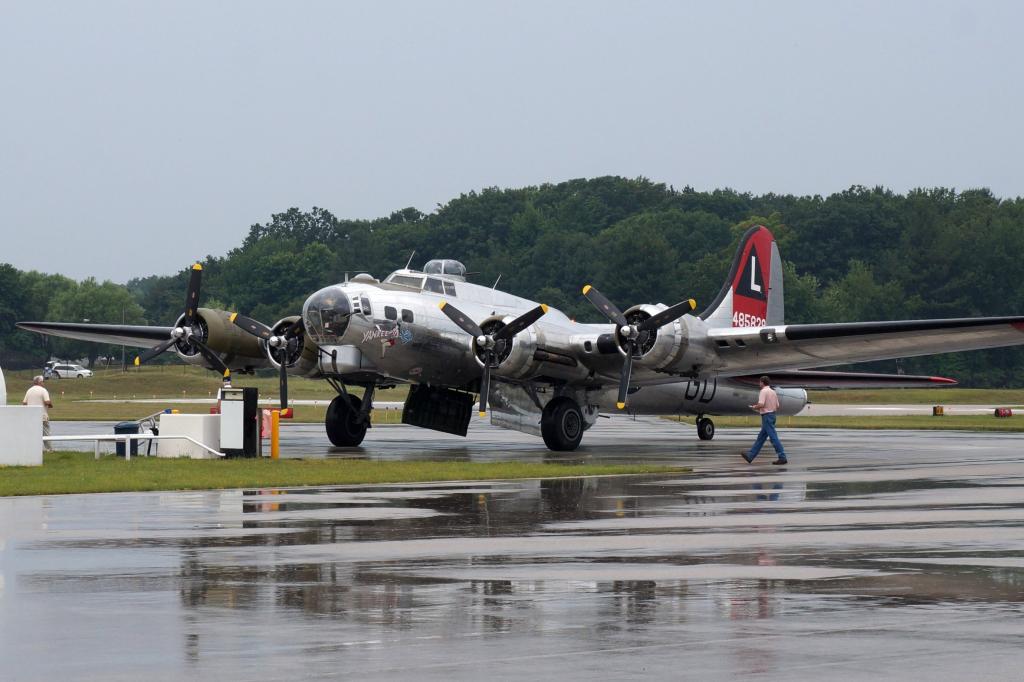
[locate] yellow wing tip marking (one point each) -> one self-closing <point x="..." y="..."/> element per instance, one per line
<point x="544" y="307"/>
<point x="621" y="406"/>
<point x="586" y="289"/>
<point x="197" y="266"/>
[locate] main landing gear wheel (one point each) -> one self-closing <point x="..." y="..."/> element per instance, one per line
<point x="561" y="424"/>
<point x="344" y="427"/>
<point x="705" y="428"/>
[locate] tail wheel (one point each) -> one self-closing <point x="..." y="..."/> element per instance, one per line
<point x="344" y="428"/>
<point x="562" y="424"/>
<point x="705" y="429"/>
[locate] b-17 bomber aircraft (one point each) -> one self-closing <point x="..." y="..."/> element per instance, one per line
<point x="533" y="368"/>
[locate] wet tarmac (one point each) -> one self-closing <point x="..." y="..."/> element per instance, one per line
<point x="893" y="555"/>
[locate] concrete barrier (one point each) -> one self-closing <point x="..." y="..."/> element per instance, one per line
<point x="22" y="430"/>
<point x="204" y="428"/>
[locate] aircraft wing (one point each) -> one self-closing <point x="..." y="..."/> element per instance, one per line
<point x="765" y="350"/>
<point x="826" y="380"/>
<point x="118" y="334"/>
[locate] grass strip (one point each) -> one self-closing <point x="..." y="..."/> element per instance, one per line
<point x="184" y="381"/>
<point x="77" y="472"/>
<point x="921" y="396"/>
<point x="169" y="382"/>
<point x="86" y="411"/>
<point x="972" y="422"/>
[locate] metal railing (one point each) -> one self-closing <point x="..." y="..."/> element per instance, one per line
<point x="127" y="438"/>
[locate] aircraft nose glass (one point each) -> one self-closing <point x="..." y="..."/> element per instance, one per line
<point x="326" y="315"/>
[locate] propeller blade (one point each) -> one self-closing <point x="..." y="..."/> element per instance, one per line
<point x="605" y="306"/>
<point x="627" y="369"/>
<point x="520" y="323"/>
<point x="192" y="295"/>
<point x="667" y="315"/>
<point x="254" y="327"/>
<point x="284" y="386"/>
<point x="464" y="323"/>
<point x="210" y="356"/>
<point x="294" y="330"/>
<point x="485" y="383"/>
<point x="148" y="355"/>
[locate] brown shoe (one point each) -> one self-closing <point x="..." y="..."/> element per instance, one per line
<point x="781" y="462"/>
<point x="746" y="455"/>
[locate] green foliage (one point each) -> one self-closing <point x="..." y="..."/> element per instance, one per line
<point x="861" y="254"/>
<point x="26" y="296"/>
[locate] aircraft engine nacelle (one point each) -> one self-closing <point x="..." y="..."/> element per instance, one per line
<point x="525" y="355"/>
<point x="302" y="360"/>
<point x="237" y="349"/>
<point x="667" y="348"/>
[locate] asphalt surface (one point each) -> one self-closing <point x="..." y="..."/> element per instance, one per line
<point x="892" y="555"/>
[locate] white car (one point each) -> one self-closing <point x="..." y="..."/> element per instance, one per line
<point x="70" y="372"/>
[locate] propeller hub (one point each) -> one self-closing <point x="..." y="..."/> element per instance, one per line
<point x="628" y="331"/>
<point x="485" y="341"/>
<point x="178" y="332"/>
<point x="276" y="341"/>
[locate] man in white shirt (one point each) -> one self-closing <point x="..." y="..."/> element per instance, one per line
<point x="37" y="395"/>
<point x="767" y="405"/>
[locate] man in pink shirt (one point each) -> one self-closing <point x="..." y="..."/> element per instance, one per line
<point x="767" y="405"/>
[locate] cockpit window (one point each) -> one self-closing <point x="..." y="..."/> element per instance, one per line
<point x="406" y="280"/>
<point x="433" y="285"/>
<point x="367" y="310"/>
<point x="326" y="315"/>
<point x="449" y="289"/>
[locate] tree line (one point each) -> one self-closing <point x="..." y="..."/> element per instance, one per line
<point x="861" y="254"/>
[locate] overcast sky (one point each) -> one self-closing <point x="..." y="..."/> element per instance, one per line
<point x="136" y="137"/>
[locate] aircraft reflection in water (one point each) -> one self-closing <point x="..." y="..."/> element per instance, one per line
<point x="371" y="594"/>
<point x="404" y="590"/>
<point x="539" y="371"/>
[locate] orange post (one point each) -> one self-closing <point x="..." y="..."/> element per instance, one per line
<point x="275" y="434"/>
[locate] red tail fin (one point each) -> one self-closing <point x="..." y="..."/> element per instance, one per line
<point x="752" y="294"/>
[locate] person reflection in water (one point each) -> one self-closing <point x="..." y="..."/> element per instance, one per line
<point x="767" y="405"/>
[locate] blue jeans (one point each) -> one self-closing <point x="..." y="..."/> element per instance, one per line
<point x="768" y="432"/>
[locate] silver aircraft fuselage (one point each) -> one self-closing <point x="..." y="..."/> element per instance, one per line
<point x="394" y="329"/>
